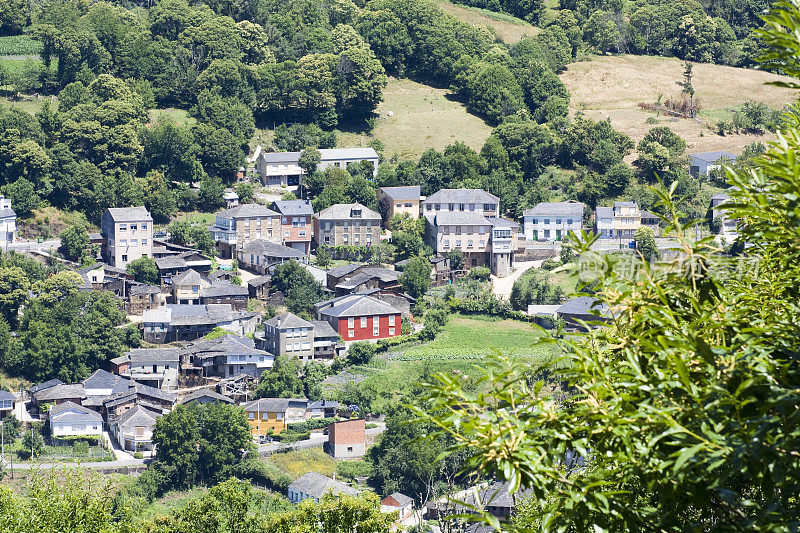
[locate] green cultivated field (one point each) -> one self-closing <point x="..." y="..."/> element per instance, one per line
<point x="19" y="45"/>
<point x="471" y="339"/>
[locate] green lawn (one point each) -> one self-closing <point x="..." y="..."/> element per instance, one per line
<point x="473" y="339"/>
<point x="179" y="116"/>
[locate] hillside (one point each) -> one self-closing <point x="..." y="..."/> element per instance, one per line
<point x="612" y="86"/>
<point x="422" y="117"/>
<point x="508" y="28"/>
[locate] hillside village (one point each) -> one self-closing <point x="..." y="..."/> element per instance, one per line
<point x="421" y="266"/>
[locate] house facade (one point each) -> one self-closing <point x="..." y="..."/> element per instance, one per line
<point x="462" y="200"/>
<point x="289" y="334"/>
<point x="701" y="165"/>
<point x="399" y="201"/>
<point x="127" y="234"/>
<point x="350" y="224"/>
<point x="69" y="419"/>
<point x="271" y="415"/>
<point x="281" y="169"/>
<point x="727" y="226"/>
<point x="261" y="256"/>
<point x="134" y="429"/>
<point x="157" y="368"/>
<point x="347" y="439"/>
<point x="553" y="221"/>
<point x="8" y="223"/>
<point x="239" y="225"/>
<point x="228" y="355"/>
<point x="618" y="222"/>
<point x="314" y="486"/>
<point x="358" y="317"/>
<point x="172" y="323"/>
<point x="142" y="297"/>
<point x="297" y="223"/>
<point x="7" y="402"/>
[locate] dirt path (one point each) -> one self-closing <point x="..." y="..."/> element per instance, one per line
<point x="501" y="287"/>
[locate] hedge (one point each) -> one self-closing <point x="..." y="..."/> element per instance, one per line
<point x="69" y="440"/>
<point x="263" y="473"/>
<point x="312" y="423"/>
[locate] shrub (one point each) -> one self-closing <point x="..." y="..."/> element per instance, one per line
<point x="479" y="273"/>
<point x="80" y="448"/>
<point x="550" y="264"/>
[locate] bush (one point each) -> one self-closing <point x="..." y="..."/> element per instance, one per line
<point x="138" y="455"/>
<point x="353" y="469"/>
<point x="263" y="473"/>
<point x="80" y="448"/>
<point x="360" y="353"/>
<point x="310" y="424"/>
<point x="479" y="273"/>
<point x="550" y="264"/>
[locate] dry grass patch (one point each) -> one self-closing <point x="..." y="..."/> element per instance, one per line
<point x="508" y="28"/>
<point x="298" y="462"/>
<point x="423" y="117"/>
<point x="612" y="87"/>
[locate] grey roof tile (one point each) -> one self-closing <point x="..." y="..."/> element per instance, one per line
<point x="221" y="288"/>
<point x="348" y="212"/>
<point x="357" y="305"/>
<point x="70" y="412"/>
<point x="288" y="321"/>
<point x="462" y="196"/>
<point x="129" y="214"/>
<point x="61" y="392"/>
<point x="205" y="393"/>
<point x="554" y="209"/>
<point x="271" y="249"/>
<point x="248" y="211"/>
<point x="293" y="207"/>
<point x="316" y="485"/>
<point x="154" y="355"/>
<point x="410" y="192"/>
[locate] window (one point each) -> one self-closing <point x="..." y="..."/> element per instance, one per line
<point x="547" y="221"/>
<point x="569" y="221"/>
<point x="469" y="243"/>
<point x="306" y="345"/>
<point x="144" y="226"/>
<point x="144" y="242"/>
<point x="123" y="242"/>
<point x="391" y="320"/>
<point x="391" y="331"/>
<point x="483" y="242"/>
<point x="195" y="289"/>
<point x="472" y="207"/>
<point x="558" y="221"/>
<point x="399" y="204"/>
<point x="264" y="416"/>
<point x="428" y="207"/>
<point x="346" y="238"/>
<point x="302" y="233"/>
<point x="285" y="234"/>
<point x="460" y="207"/>
<point x="547" y="234"/>
<point x="278" y="416"/>
<point x="140" y="431"/>
<point x="535" y="221"/>
<point x="123" y="227"/>
<point x="134" y="227"/>
<point x="134" y="242"/>
<point x="375" y="329"/>
<point x="350" y="333"/>
<point x="408" y="204"/>
<point x="447" y="243"/>
<point x="350" y="322"/>
<point x="458" y="243"/>
<point x="451" y="206"/>
<point x="358" y="238"/>
<point x="363" y="321"/>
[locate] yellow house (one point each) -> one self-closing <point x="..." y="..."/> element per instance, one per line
<point x="398" y="200"/>
<point x="186" y="287"/>
<point x="268" y="415"/>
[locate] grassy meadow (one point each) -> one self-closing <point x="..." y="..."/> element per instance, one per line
<point x="611" y="87"/>
<point x="507" y="28"/>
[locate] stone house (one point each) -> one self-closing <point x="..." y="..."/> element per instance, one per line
<point x="261" y="255"/>
<point x="173" y="322"/>
<point x="239" y="225"/>
<point x="157" y="368"/>
<point x="142" y="297"/>
<point x="227" y="356"/>
<point x="347" y="224"/>
<point x="127" y="234"/>
<point x="289" y="334"/>
<point x="134" y="429"/>
<point x="281" y="169"/>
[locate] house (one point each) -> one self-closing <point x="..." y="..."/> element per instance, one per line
<point x="281" y="169"/>
<point x="157" y="368"/>
<point x="296" y="223"/>
<point x="701" y="165"/>
<point x="327" y="343"/>
<point x="8" y="223"/>
<point x="462" y="200"/>
<point x="137" y="394"/>
<point x="399" y="503"/>
<point x="289" y="334"/>
<point x="322" y="409"/>
<point x="320" y="275"/>
<point x="651" y="220"/>
<point x="102" y="277"/>
<point x="399" y="201"/>
<point x="351" y="224"/>
<point x="239" y="225"/>
<point x="69" y="419"/>
<point x="31" y="391"/>
<point x="262" y="255"/>
<point x="368" y="277"/>
<point x="727" y="226"/>
<point x="171" y="323"/>
<point x="192" y="288"/>
<point x="186" y="287"/>
<point x="171" y="265"/>
<point x="228" y="355"/>
<point x="204" y="397"/>
<point x="484" y="241"/>
<point x="336" y="275"/>
<point x="58" y="394"/>
<point x="553" y="221"/>
<point x="359" y="317"/>
<point x="582" y="309"/>
<point x="142" y="297"/>
<point x="258" y="287"/>
<point x="134" y="429"/>
<point x="618" y="222"/>
<point x="231" y="198"/>
<point x="7" y="402"/>
<point x="314" y="486"/>
<point x="347" y="439"/>
<point x="271" y="415"/>
<point x="127" y="235"/>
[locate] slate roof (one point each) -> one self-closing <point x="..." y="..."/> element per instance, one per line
<point x="582" y="305"/>
<point x="316" y="485"/>
<point x="45" y="385"/>
<point x="144" y="288"/>
<point x="5" y="396"/>
<point x="275" y="405"/>
<point x="205" y="393"/>
<point x="384" y="274"/>
<point x="293" y="207"/>
<point x="462" y="196"/>
<point x="323" y="404"/>
<point x="459" y="218"/>
<point x="322" y="329"/>
<point x="258" y="281"/>
<point x="345" y="212"/>
<point x="222" y="288"/>
<point x="503" y="223"/>
<point x="154" y="355"/>
<point x="326" y="154"/>
<point x="61" y="392"/>
<point x="271" y="249"/>
<point x="102" y="379"/>
<point x="7" y="213"/>
<point x="288" y="321"/>
<point x="225" y="345"/>
<point x="189" y="277"/>
<point x="247" y="211"/>
<point x="401" y="499"/>
<point x="604" y="212"/>
<point x="556" y="209"/>
<point x="713" y="157"/>
<point x="170" y="261"/>
<point x="72" y="413"/>
<point x="194" y="315"/>
<point x="411" y="192"/>
<point x="356" y="305"/>
<point x="139" y="416"/>
<point x="344" y="269"/>
<point x="129" y="214"/>
<point x="721" y="196"/>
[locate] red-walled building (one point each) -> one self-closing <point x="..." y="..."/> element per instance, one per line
<point x="357" y="317"/>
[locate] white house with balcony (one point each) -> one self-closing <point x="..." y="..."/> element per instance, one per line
<point x="618" y="222"/>
<point x="157" y="368"/>
<point x="8" y="223"/>
<point x="281" y="169"/>
<point x="69" y="419"/>
<point x="552" y="221"/>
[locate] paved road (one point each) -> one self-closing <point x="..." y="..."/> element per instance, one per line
<point x="102" y="464"/>
<point x="501" y="287"/>
<point x="25" y="246"/>
<point x="317" y="439"/>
